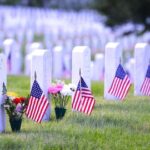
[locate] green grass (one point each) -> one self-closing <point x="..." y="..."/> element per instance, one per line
<point x="113" y="125"/>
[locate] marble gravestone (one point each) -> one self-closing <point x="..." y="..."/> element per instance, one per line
<point x="130" y="68"/>
<point x="29" y="36"/>
<point x="92" y="70"/>
<point x="3" y="79"/>
<point x="142" y="60"/>
<point x="81" y="59"/>
<point x="67" y="65"/>
<point x="30" y="49"/>
<point x="33" y="46"/>
<point x="41" y="63"/>
<point x="57" y="62"/>
<point x="13" y="56"/>
<point x="113" y="54"/>
<point x="98" y="69"/>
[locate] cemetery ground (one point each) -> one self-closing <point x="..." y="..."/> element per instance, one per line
<point x="112" y="125"/>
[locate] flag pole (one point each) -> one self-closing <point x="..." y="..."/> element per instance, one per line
<point x="80" y="85"/>
<point x="80" y="77"/>
<point x="4" y="91"/>
<point x="120" y="61"/>
<point x="35" y="76"/>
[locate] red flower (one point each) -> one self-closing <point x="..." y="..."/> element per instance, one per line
<point x="22" y="99"/>
<point x="16" y="100"/>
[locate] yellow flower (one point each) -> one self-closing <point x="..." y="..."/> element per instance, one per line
<point x="12" y="94"/>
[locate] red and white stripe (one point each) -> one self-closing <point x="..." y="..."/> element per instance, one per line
<point x="76" y="100"/>
<point x="119" y="87"/>
<point x="145" y="89"/>
<point x="83" y="101"/>
<point x="37" y="108"/>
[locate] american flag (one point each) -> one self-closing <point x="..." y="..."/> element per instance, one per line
<point x="121" y="84"/>
<point x="38" y="103"/>
<point x="83" y="99"/>
<point x="145" y="88"/>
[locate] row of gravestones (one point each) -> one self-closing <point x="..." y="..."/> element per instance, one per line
<point x="57" y="27"/>
<point x="61" y="28"/>
<point x="61" y="61"/>
<point x="41" y="63"/>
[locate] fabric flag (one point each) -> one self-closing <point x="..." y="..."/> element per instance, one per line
<point x="38" y="103"/>
<point x="121" y="84"/>
<point x="145" y="88"/>
<point x="83" y="100"/>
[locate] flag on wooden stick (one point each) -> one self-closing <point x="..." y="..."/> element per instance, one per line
<point x="121" y="83"/>
<point x="38" y="103"/>
<point x="145" y="88"/>
<point x="83" y="100"/>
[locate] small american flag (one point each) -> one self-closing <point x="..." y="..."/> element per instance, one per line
<point x="145" y="89"/>
<point x="121" y="84"/>
<point x="38" y="103"/>
<point x="83" y="99"/>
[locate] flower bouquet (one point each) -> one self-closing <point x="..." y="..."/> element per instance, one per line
<point x="60" y="94"/>
<point x="15" y="108"/>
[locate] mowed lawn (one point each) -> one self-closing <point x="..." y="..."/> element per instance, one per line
<point x="113" y="125"/>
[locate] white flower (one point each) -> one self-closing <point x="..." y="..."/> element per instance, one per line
<point x="72" y="87"/>
<point x="67" y="90"/>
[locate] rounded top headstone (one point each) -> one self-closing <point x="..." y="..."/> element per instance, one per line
<point x="99" y="56"/>
<point x="39" y="52"/>
<point x="141" y="45"/>
<point x="8" y="42"/>
<point x="58" y="48"/>
<point x="81" y="49"/>
<point x="112" y="45"/>
<point x="36" y="45"/>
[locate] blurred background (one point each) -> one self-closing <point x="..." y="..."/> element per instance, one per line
<point x="59" y="26"/>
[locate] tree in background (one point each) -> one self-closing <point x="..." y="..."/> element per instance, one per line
<point x="9" y="2"/>
<point x="58" y="4"/>
<point x="119" y="12"/>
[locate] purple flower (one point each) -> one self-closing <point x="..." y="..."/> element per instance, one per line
<point x="19" y="108"/>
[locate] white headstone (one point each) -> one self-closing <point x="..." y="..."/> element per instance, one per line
<point x="29" y="36"/>
<point x="67" y="65"/>
<point x="69" y="45"/>
<point x="27" y="69"/>
<point x="3" y="79"/>
<point x="142" y="58"/>
<point x="92" y="70"/>
<point x="81" y="59"/>
<point x="30" y="49"/>
<point x="130" y="67"/>
<point x="20" y="36"/>
<point x="41" y="63"/>
<point x="1" y="38"/>
<point x="33" y="46"/>
<point x="13" y="56"/>
<point x="58" y="62"/>
<point x="98" y="68"/>
<point x="113" y="53"/>
<point x="16" y="60"/>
